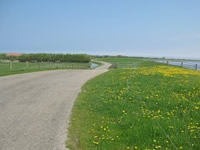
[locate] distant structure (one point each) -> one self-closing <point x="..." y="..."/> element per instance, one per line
<point x="13" y="54"/>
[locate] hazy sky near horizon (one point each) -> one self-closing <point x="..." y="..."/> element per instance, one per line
<point x="168" y="28"/>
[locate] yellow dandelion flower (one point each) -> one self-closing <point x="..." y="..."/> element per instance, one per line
<point x="135" y="147"/>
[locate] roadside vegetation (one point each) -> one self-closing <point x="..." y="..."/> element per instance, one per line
<point x="22" y="67"/>
<point x="140" y="105"/>
<point x="38" y="62"/>
<point x="44" y="57"/>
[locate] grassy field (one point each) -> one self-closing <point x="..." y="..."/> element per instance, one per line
<point x="141" y="105"/>
<point x="21" y="67"/>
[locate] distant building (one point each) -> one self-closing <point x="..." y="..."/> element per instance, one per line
<point x="13" y="54"/>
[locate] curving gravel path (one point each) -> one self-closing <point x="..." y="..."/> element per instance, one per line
<point x="35" y="107"/>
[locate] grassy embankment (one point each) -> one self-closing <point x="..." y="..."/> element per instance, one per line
<point x="141" y="105"/>
<point x="20" y="67"/>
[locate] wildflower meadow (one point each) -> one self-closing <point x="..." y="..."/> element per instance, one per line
<point x="140" y="105"/>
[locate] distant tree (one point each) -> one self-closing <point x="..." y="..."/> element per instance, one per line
<point x="2" y="56"/>
<point x="81" y="58"/>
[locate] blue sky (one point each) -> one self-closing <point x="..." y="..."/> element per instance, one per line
<point x="127" y="27"/>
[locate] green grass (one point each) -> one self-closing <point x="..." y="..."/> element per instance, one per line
<point x="122" y="62"/>
<point x="147" y="106"/>
<point x="128" y="62"/>
<point x="20" y="67"/>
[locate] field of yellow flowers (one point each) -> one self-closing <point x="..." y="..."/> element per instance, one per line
<point x="146" y="107"/>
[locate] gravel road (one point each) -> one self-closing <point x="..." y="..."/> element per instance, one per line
<point x="35" y="107"/>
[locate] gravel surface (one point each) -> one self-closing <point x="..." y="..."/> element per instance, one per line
<point x="35" y="107"/>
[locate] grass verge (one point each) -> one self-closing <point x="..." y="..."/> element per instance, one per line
<point x="145" y="106"/>
<point x="21" y="67"/>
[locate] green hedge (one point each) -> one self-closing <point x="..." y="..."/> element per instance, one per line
<point x="80" y="58"/>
